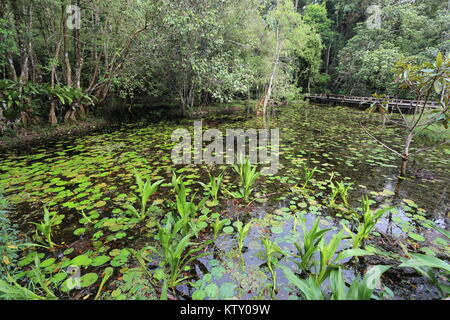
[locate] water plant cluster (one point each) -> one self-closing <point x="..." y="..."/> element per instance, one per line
<point x="182" y="238"/>
<point x="118" y="221"/>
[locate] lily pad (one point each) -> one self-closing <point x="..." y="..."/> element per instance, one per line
<point x="88" y="279"/>
<point x="416" y="236"/>
<point x="98" y="261"/>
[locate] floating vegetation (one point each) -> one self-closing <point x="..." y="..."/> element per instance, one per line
<point x="231" y="234"/>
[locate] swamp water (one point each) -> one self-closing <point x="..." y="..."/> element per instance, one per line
<point x="94" y="174"/>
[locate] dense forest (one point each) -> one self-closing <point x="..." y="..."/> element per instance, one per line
<point x="59" y="59"/>
<point x="224" y="149"/>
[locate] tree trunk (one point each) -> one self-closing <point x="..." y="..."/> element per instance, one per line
<point x="10" y="69"/>
<point x="66" y="53"/>
<point x="35" y="69"/>
<point x="52" y="119"/>
<point x="78" y="67"/>
<point x="405" y="153"/>
<point x="19" y="23"/>
<point x="12" y="74"/>
<point x="272" y="76"/>
<point x="328" y="58"/>
<point x="70" y="112"/>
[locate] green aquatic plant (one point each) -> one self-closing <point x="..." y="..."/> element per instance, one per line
<point x="187" y="210"/>
<point x="38" y="288"/>
<point x="146" y="190"/>
<point x="330" y="258"/>
<point x="39" y="277"/>
<point x="106" y="275"/>
<point x="308" y="175"/>
<point x="44" y="228"/>
<point x="310" y="245"/>
<point x="218" y="226"/>
<point x="339" y="189"/>
<point x="178" y="250"/>
<point x="176" y="180"/>
<point x="247" y="177"/>
<point x="10" y="289"/>
<point x="242" y="233"/>
<point x="327" y="251"/>
<point x="9" y="239"/>
<point x="367" y="224"/>
<point x="271" y="251"/>
<point x="86" y="219"/>
<point x="441" y="231"/>
<point x="433" y="268"/>
<point x="333" y="195"/>
<point x="359" y="289"/>
<point x="149" y="275"/>
<point x="213" y="186"/>
<point x="309" y="288"/>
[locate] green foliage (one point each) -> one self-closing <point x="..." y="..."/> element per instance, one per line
<point x="213" y="187"/>
<point x="327" y="252"/>
<point x="218" y="226"/>
<point x="339" y="189"/>
<point x="187" y="210"/>
<point x="358" y="289"/>
<point x="106" y="275"/>
<point x="9" y="241"/>
<point x="435" y="269"/>
<point x="32" y="98"/>
<point x="329" y="257"/>
<point x="247" y="177"/>
<point x="178" y="250"/>
<point x="316" y="16"/>
<point x="146" y="190"/>
<point x="308" y="174"/>
<point x="272" y="250"/>
<point x="309" y="288"/>
<point x="367" y="224"/>
<point x="426" y="81"/>
<point x="301" y="43"/>
<point x="242" y="233"/>
<point x="44" y="228"/>
<point x="38" y="288"/>
<point x="367" y="61"/>
<point x="310" y="244"/>
<point x="213" y="51"/>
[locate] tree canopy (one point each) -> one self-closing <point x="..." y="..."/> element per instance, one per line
<point x="60" y="57"/>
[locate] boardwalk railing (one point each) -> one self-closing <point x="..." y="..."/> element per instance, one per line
<point x="393" y="103"/>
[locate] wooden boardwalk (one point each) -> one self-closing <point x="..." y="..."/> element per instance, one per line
<point x="394" y="104"/>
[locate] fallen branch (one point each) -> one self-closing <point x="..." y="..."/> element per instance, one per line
<point x="381" y="143"/>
